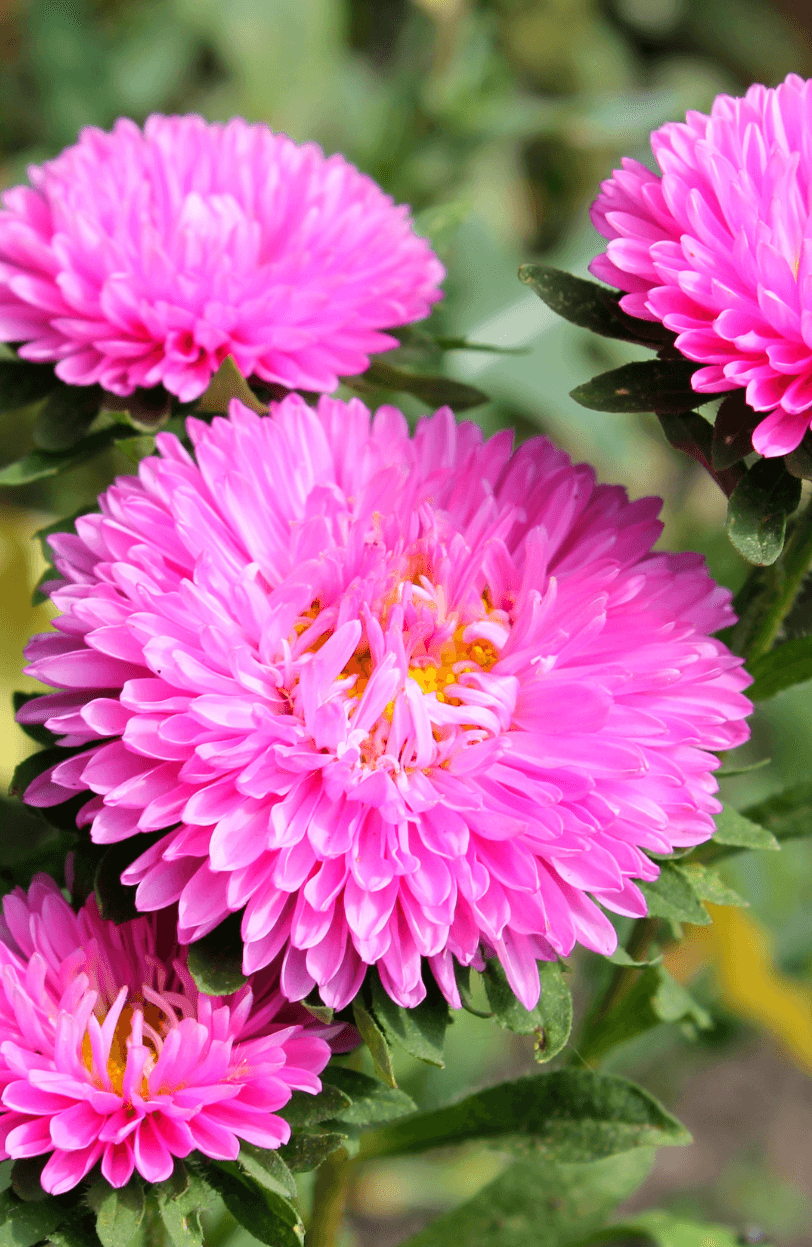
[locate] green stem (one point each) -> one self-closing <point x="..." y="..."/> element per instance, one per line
<point x="329" y="1200"/>
<point x="754" y="637"/>
<point x="621" y="982"/>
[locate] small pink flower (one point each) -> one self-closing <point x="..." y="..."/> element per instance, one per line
<point x="140" y="258"/>
<point x="719" y="249"/>
<point x="109" y="1053"/>
<point x="393" y="698"/>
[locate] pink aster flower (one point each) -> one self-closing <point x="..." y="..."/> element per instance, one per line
<point x="139" y="258"/>
<point x="109" y="1053"/>
<point x="719" y="249"/>
<point x="393" y="698"/>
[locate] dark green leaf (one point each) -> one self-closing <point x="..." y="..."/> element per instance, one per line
<point x="31" y="767"/>
<point x="709" y="885"/>
<point x="463" y="976"/>
<point x="654" y="997"/>
<point x="651" y="385"/>
<point x="42" y="463"/>
<point x="66" y="416"/>
<point x="689" y="432"/>
<point x="267" y="1168"/>
<point x="590" y="306"/>
<point x="307" y="1150"/>
<point x="116" y="901"/>
<point x="26" y="1178"/>
<point x="34" y="731"/>
<point x="180" y="1200"/>
<point x="24" y="1223"/>
<point x="265" y="1213"/>
<point x="22" y="383"/>
<point x="567" y="1116"/>
<point x="226" y="384"/>
<point x="663" y="1229"/>
<point x="733" y="430"/>
<point x="76" y="1230"/>
<point x="534" y="1204"/>
<point x="786" y="814"/>
<point x="375" y="1040"/>
<point x="64" y="525"/>
<point x="550" y="1021"/>
<point x="146" y="410"/>
<point x="671" y="896"/>
<point x="799" y="460"/>
<point x="215" y="962"/>
<point x="420" y="1030"/>
<point x="119" y="1213"/>
<point x="27" y="841"/>
<point x="371" y="1101"/>
<point x="321" y="1012"/>
<point x="758" y="509"/>
<point x="780" y="668"/>
<point x="303" y="1109"/>
<point x="434" y="391"/>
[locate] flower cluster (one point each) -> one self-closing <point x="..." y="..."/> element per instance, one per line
<point x="393" y="698"/>
<point x="139" y="258"/>
<point x="718" y="249"/>
<point x="109" y="1053"/>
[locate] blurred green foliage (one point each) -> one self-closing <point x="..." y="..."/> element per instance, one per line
<point x="496" y="120"/>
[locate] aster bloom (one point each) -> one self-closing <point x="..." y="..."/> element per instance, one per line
<point x="719" y="249"/>
<point x="139" y="258"/>
<point x="109" y="1053"/>
<point x="393" y="698"/>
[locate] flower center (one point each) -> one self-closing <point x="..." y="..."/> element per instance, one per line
<point x="456" y="656"/>
<point x="154" y="1028"/>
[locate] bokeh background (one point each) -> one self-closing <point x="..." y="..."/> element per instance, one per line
<point x="495" y="120"/>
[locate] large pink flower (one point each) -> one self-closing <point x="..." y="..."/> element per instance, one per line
<point x="109" y="1053"/>
<point x="394" y="698"/>
<point x="145" y="257"/>
<point x="720" y="249"/>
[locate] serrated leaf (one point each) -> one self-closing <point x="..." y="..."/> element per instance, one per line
<point x="420" y="1030"/>
<point x="267" y="1168"/>
<point x="434" y="391"/>
<point x="215" y="962"/>
<point x="649" y="385"/>
<point x="781" y="668"/>
<point x="758" y="510"/>
<point x="590" y="306"/>
<point x="375" y="1040"/>
<point x="303" y="1109"/>
<point x="733" y="430"/>
<point x="23" y="383"/>
<point x="66" y="416"/>
<point x="534" y="1204"/>
<point x="119" y="1212"/>
<point x="22" y="1224"/>
<point x="551" y="1019"/>
<point x="268" y="1215"/>
<point x="227" y="383"/>
<point x="732" y="828"/>
<point x="41" y="463"/>
<point x="372" y="1102"/>
<point x="710" y="886"/>
<point x="567" y="1116"/>
<point x="671" y="896"/>
<point x="307" y="1149"/>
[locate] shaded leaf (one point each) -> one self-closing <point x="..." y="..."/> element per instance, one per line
<point x="434" y="391"/>
<point x="420" y="1030"/>
<point x="267" y="1168"/>
<point x="733" y="430"/>
<point x="24" y="1223"/>
<point x="672" y="896"/>
<point x="590" y="306"/>
<point x="76" y="1230"/>
<point x="66" y="416"/>
<point x="621" y="958"/>
<point x="786" y="814"/>
<point x="303" y="1109"/>
<point x="227" y="383"/>
<point x="26" y="1178"/>
<point x="268" y="1215"/>
<point x="550" y="1021"/>
<point x="372" y="1102"/>
<point x="375" y="1040"/>
<point x="35" y="731"/>
<point x="663" y="1229"/>
<point x="758" y="510"/>
<point x="536" y="1204"/>
<point x="736" y="831"/>
<point x="654" y="997"/>
<point x="462" y="975"/>
<point x="119" y="1213"/>
<point x="42" y="463"/>
<point x="146" y="410"/>
<point x="22" y="383"/>
<point x="662" y="385"/>
<point x="322" y="1013"/>
<point x="115" y="900"/>
<point x="215" y="961"/>
<point x="307" y="1149"/>
<point x="780" y="668"/>
<point x="691" y="433"/>
<point x="567" y="1116"/>
<point x="671" y="1002"/>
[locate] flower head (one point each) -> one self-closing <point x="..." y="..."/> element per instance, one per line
<point x="109" y="1053"/>
<point x="393" y="698"/>
<point x="719" y="249"/>
<point x="145" y="257"/>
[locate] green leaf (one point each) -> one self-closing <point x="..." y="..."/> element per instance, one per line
<point x="535" y="1204"/>
<point x="226" y="384"/>
<point x="375" y="1040"/>
<point x="66" y="416"/>
<point x="654" y="997"/>
<point x="733" y="430"/>
<point x="710" y="886"/>
<point x="590" y="306"/>
<point x="268" y="1169"/>
<point x="372" y="1102"/>
<point x="567" y="1116"/>
<point x="66" y="524"/>
<point x="434" y="391"/>
<point x="322" y="1013"/>
<point x="420" y="1030"/>
<point x="758" y="509"/>
<point x="215" y="962"/>
<point x="672" y="1003"/>
<point x="463" y="976"/>
<point x="651" y="385"/>
<point x="303" y="1109"/>
<point x="734" y="831"/>
<point x="24" y="1223"/>
<point x="780" y="668"/>
<point x="34" y="731"/>
<point x="76" y="1230"/>
<point x="663" y="1229"/>
<point x="42" y="463"/>
<point x="787" y="814"/>
<point x="26" y="1178"/>
<point x="307" y="1149"/>
<point x="116" y="901"/>
<point x="621" y="958"/>
<point x="22" y="382"/>
<point x="551" y="1019"/>
<point x="180" y="1201"/>
<point x="689" y="432"/>
<point x="268" y="1215"/>
<point x="672" y="896"/>
<point x="440" y="223"/>
<point x="119" y="1213"/>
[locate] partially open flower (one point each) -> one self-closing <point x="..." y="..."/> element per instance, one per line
<point x="394" y="698"/>
<point x="719" y="249"/>
<point x="108" y="1052"/>
<point x="139" y="258"/>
